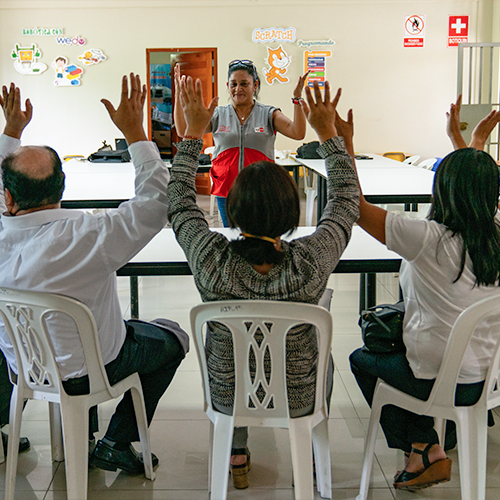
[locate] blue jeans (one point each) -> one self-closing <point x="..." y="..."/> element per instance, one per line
<point x="402" y="427"/>
<point x="221" y="205"/>
<point x="155" y="358"/>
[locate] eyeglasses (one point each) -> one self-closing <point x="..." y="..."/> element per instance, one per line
<point x="245" y="62"/>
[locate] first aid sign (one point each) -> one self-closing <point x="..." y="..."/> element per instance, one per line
<point x="458" y="30"/>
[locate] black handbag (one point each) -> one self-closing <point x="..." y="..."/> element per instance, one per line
<point x="382" y="328"/>
<point x="309" y="150"/>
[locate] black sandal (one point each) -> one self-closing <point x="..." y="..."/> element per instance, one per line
<point x="240" y="472"/>
<point x="437" y="472"/>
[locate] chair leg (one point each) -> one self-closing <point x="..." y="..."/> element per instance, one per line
<point x="472" y="428"/>
<point x="440" y="427"/>
<point x="221" y="453"/>
<point x="142" y="426"/>
<point x="75" y="419"/>
<point x="369" y="451"/>
<point x="301" y="447"/>
<point x="16" y="412"/>
<point x="56" y="437"/>
<point x="210" y="455"/>
<point x="2" y="455"/>
<point x="321" y="447"/>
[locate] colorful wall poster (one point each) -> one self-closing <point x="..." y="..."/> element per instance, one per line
<point x="92" y="56"/>
<point x="67" y="75"/>
<point x="315" y="63"/>
<point x="278" y="61"/>
<point x="26" y="61"/>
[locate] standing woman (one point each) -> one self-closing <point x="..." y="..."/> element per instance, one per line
<point x="245" y="130"/>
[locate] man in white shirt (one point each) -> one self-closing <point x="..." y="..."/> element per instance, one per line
<point x="46" y="248"/>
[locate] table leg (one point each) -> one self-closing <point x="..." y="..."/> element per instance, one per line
<point x="322" y="195"/>
<point x="367" y="290"/>
<point x="134" y="297"/>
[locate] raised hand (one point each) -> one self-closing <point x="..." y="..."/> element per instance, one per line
<point x="197" y="116"/>
<point x="320" y="112"/>
<point x="483" y="130"/>
<point x="16" y="118"/>
<point x="128" y="117"/>
<point x="453" y="125"/>
<point x="345" y="129"/>
<point x="297" y="91"/>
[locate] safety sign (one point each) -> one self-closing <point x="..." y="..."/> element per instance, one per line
<point x="458" y="30"/>
<point x="414" y="31"/>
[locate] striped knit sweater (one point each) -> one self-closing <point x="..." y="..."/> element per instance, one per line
<point x="302" y="276"/>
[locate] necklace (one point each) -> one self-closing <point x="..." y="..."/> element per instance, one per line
<point x="242" y="116"/>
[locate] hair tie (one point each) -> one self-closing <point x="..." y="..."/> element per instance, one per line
<point x="274" y="241"/>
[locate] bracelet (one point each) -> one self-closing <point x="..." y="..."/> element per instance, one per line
<point x="191" y="137"/>
<point x="297" y="100"/>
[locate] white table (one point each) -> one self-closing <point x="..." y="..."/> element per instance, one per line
<point x="162" y="256"/>
<point x="106" y="185"/>
<point x="382" y="180"/>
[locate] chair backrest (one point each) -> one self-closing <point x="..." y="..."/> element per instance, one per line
<point x="259" y="329"/>
<point x="395" y="155"/>
<point x="26" y="316"/>
<point x="427" y="164"/>
<point x="443" y="391"/>
<point x="411" y="160"/>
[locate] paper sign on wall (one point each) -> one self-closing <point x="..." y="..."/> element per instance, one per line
<point x="67" y="75"/>
<point x="26" y="60"/>
<point x="315" y="63"/>
<point x="92" y="56"/>
<point x="414" y="31"/>
<point x="458" y="30"/>
<point x="278" y="61"/>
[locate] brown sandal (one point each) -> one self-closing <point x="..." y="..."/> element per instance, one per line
<point x="240" y="472"/>
<point x="437" y="472"/>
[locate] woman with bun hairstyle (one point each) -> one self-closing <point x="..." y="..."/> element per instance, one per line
<point x="263" y="204"/>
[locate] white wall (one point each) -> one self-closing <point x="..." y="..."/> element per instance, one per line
<point x="399" y="96"/>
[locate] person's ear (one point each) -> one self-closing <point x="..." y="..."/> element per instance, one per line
<point x="9" y="200"/>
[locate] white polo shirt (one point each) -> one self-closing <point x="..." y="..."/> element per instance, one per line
<point x="76" y="254"/>
<point x="433" y="302"/>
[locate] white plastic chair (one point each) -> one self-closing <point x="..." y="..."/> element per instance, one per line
<point x="261" y="326"/>
<point x="411" y="160"/>
<point x="471" y="421"/>
<point x="311" y="191"/>
<point x="25" y="317"/>
<point x="427" y="164"/>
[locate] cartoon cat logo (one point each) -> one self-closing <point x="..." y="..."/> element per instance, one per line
<point x="278" y="61"/>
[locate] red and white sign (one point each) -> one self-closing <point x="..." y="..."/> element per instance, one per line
<point x="458" y="30"/>
<point x="414" y="31"/>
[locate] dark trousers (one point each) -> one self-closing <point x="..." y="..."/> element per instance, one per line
<point x="5" y="391"/>
<point x="155" y="357"/>
<point x="402" y="427"/>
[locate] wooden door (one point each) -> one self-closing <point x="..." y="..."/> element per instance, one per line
<point x="200" y="64"/>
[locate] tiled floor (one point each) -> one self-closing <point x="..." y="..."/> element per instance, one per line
<point x="180" y="428"/>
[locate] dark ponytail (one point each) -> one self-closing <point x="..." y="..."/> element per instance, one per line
<point x="465" y="200"/>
